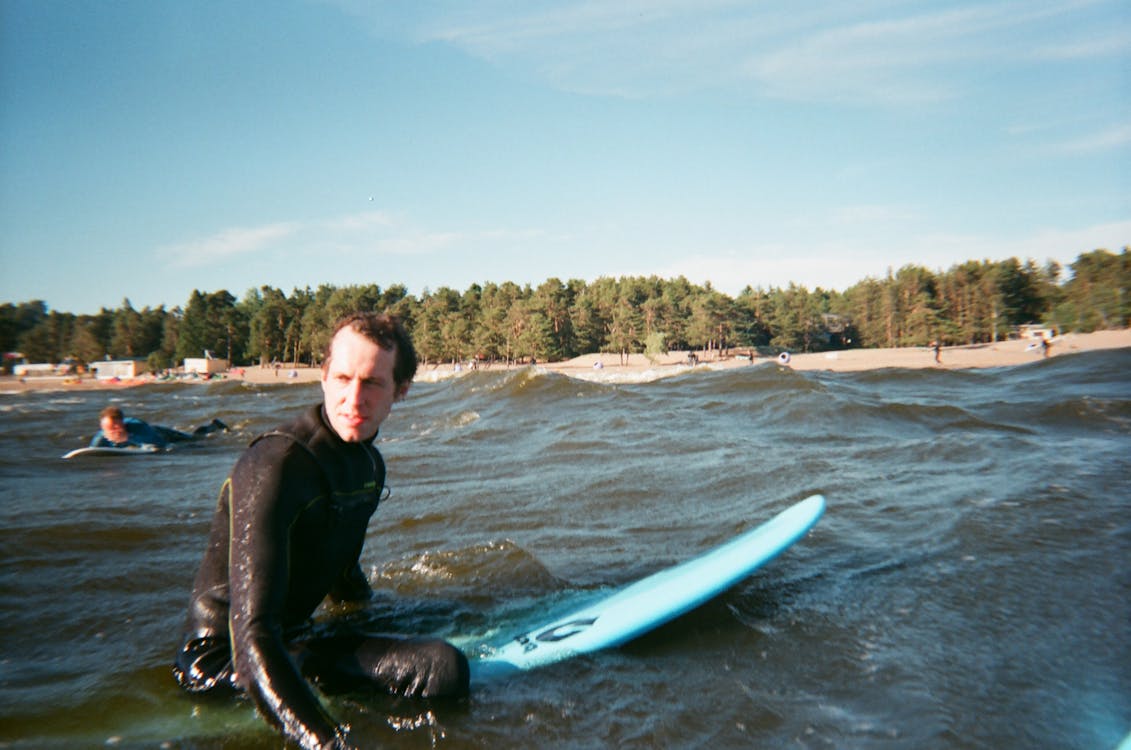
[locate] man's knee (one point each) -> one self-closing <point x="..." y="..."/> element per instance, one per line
<point x="450" y="672"/>
<point x="421" y="668"/>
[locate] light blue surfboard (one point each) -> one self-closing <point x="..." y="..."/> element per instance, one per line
<point x="109" y="450"/>
<point x="652" y="601"/>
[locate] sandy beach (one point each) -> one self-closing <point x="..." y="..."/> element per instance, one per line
<point x="638" y="366"/>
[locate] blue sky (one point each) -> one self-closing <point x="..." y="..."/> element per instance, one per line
<point x="149" y="148"/>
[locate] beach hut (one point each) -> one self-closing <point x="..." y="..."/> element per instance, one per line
<point x="1036" y="332"/>
<point x="33" y="369"/>
<point x="122" y="369"/>
<point x="205" y="365"/>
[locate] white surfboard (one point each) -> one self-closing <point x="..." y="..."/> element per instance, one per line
<point x="651" y="601"/>
<point x="107" y="450"/>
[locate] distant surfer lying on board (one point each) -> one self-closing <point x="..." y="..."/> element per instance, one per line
<point x="287" y="533"/>
<point x="118" y="431"/>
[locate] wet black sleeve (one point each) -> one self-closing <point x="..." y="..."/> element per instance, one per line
<point x="352" y="587"/>
<point x="272" y="484"/>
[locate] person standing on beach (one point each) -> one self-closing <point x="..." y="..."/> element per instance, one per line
<point x="288" y="533"/>
<point x="118" y="431"/>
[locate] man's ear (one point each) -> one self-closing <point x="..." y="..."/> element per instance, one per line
<point x="402" y="391"/>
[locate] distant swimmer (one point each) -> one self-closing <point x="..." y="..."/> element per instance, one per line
<point x="119" y="431"/>
<point x="783" y="358"/>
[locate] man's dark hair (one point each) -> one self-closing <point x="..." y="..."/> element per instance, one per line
<point x="387" y="332"/>
<point x="113" y="412"/>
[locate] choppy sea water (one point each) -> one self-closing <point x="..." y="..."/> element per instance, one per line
<point x="968" y="587"/>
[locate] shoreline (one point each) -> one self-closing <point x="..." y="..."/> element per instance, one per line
<point x="1009" y="353"/>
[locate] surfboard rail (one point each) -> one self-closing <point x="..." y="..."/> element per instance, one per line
<point x="109" y="450"/>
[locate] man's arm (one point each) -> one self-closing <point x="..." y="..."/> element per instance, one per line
<point x="266" y="498"/>
<point x="143" y="435"/>
<point x="352" y="587"/>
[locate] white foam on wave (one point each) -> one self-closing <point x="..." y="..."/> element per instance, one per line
<point x="611" y="376"/>
<point x="464" y="418"/>
<point x="440" y="374"/>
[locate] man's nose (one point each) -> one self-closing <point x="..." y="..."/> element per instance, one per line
<point x="354" y="391"/>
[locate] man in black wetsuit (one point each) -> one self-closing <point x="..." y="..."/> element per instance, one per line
<point x="288" y="533"/>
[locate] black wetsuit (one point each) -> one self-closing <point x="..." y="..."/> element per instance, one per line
<point x="287" y="533"/>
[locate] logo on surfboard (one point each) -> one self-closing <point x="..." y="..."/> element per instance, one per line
<point x="557" y="633"/>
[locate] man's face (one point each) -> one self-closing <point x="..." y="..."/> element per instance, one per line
<point x="114" y="429"/>
<point x="358" y="386"/>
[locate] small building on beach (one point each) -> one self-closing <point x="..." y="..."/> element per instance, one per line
<point x="26" y="369"/>
<point x="205" y="365"/>
<point x="1036" y="332"/>
<point x="122" y="369"/>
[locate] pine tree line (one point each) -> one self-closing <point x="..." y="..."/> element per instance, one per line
<point x="977" y="301"/>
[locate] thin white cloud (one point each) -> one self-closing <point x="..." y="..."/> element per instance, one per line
<point x="418" y="243"/>
<point x="359" y="222"/>
<point x="243" y="242"/>
<point x="910" y="58"/>
<point x="352" y="233"/>
<point x="839" y="264"/>
<point x="768" y="266"/>
<point x="1106" y="43"/>
<point x="633" y="49"/>
<point x="1069" y="243"/>
<point x="865" y="61"/>
<point x="226" y="244"/>
<point x="356" y="235"/>
<point x="422" y="242"/>
<point x="1108" y="139"/>
<point x="864" y="51"/>
<point x="941" y="251"/>
<point x="515" y="235"/>
<point x="870" y="214"/>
